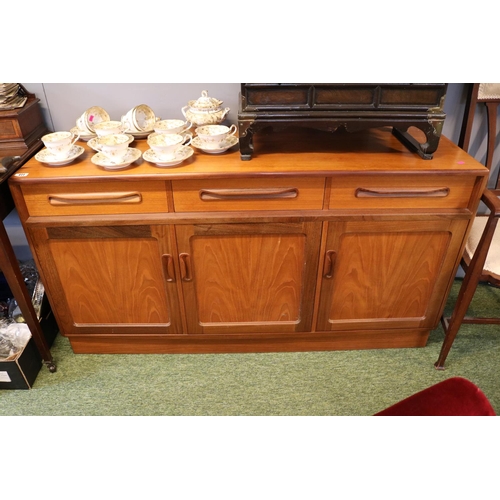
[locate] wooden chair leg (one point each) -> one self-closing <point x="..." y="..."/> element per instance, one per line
<point x="475" y="269"/>
<point x="451" y="328"/>
<point x="492" y="127"/>
<point x="467" y="290"/>
<point x="470" y="110"/>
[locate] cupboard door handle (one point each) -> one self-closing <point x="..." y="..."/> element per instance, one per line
<point x="95" y="198"/>
<point x="249" y="194"/>
<point x="168" y="267"/>
<point x="402" y="193"/>
<point x="329" y="262"/>
<point x="185" y="267"/>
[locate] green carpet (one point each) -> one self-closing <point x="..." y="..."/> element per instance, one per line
<point x="337" y="383"/>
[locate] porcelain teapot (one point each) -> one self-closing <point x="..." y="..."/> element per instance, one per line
<point x="205" y="110"/>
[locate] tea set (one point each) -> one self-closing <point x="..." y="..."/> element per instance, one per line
<point x="112" y="145"/>
<point x="60" y="148"/>
<point x="215" y="139"/>
<point x="205" y="110"/>
<point x="114" y="152"/>
<point x="85" y="124"/>
<point x="140" y="121"/>
<point x="169" y="140"/>
<point x="168" y="149"/>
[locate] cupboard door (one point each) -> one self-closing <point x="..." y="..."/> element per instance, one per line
<point x="249" y="278"/>
<point x="386" y="274"/>
<point x="110" y="279"/>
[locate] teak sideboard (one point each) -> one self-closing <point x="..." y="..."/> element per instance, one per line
<point x="323" y="241"/>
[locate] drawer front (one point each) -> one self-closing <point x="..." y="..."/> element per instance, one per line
<point x="330" y="96"/>
<point x="291" y="193"/>
<point x="401" y="191"/>
<point x="95" y="198"/>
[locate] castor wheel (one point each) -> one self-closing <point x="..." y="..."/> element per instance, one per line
<point x="52" y="367"/>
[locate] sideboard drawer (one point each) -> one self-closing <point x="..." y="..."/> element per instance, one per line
<point x="285" y="193"/>
<point x="95" y="198"/>
<point x="400" y="191"/>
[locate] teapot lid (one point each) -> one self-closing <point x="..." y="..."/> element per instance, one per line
<point x="205" y="103"/>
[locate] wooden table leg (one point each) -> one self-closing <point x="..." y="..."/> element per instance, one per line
<point x="10" y="268"/>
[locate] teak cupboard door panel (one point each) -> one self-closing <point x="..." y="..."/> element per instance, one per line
<point x="387" y="274"/>
<point x="110" y="279"/>
<point x="249" y="277"/>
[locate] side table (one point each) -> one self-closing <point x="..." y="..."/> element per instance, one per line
<point x="8" y="261"/>
<point x="329" y="106"/>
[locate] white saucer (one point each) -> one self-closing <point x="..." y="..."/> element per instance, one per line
<point x="45" y="156"/>
<point x="103" y="161"/>
<point x="84" y="136"/>
<point x="92" y="142"/>
<point x="140" y="135"/>
<point x="215" y="149"/>
<point x="181" y="155"/>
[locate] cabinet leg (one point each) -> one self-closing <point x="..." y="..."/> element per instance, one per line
<point x="15" y="280"/>
<point x="51" y="366"/>
<point x="424" y="150"/>
<point x="246" y="146"/>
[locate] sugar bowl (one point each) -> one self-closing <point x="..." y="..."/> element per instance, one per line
<point x="205" y="110"/>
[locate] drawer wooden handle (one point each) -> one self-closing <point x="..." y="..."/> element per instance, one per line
<point x="168" y="267"/>
<point x="249" y="194"/>
<point x="402" y="193"/>
<point x="329" y="262"/>
<point x="94" y="198"/>
<point x="185" y="267"/>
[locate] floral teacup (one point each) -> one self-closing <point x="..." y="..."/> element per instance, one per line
<point x="166" y="145"/>
<point x="172" y="126"/>
<point x="215" y="134"/>
<point x="60" y="143"/>
<point x="113" y="146"/>
<point x="109" y="127"/>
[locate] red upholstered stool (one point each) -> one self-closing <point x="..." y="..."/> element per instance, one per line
<point x="455" y="396"/>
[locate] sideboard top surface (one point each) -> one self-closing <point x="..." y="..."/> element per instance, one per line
<point x="293" y="151"/>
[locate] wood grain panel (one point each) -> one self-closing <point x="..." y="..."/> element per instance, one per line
<point x="230" y="269"/>
<point x="401" y="191"/>
<point x="8" y="129"/>
<point x="384" y="276"/>
<point x="79" y="232"/>
<point x="249" y="278"/>
<point x="111" y="281"/>
<point x="340" y="96"/>
<point x="95" y="198"/>
<point x="281" y="96"/>
<point x="411" y="97"/>
<point x="294" y="193"/>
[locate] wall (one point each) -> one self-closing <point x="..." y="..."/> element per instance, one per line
<point x="63" y="103"/>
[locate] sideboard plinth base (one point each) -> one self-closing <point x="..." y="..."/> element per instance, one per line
<point x="219" y="344"/>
